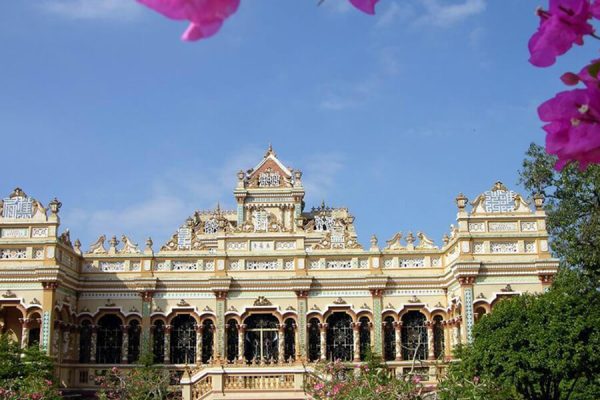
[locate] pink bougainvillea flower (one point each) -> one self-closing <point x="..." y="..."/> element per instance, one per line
<point x="366" y="6"/>
<point x="588" y="76"/>
<point x="565" y="23"/>
<point x="206" y="16"/>
<point x="573" y="126"/>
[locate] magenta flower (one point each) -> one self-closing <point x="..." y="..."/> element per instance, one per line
<point x="565" y="23"/>
<point x="206" y="16"/>
<point x="573" y="126"/>
<point x="366" y="6"/>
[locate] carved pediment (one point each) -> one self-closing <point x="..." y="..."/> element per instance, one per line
<point x="262" y="301"/>
<point x="18" y="205"/>
<point x="499" y="199"/>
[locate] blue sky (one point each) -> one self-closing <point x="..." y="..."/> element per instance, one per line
<point x="103" y="106"/>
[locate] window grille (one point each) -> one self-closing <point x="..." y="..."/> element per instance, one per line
<point x="183" y="340"/>
<point x="414" y="336"/>
<point x="85" y="341"/>
<point x="262" y="338"/>
<point x="340" y="339"/>
<point x="290" y="340"/>
<point x="133" y="346"/>
<point x="207" y="340"/>
<point x="364" y="338"/>
<point x="158" y="339"/>
<point x="109" y="340"/>
<point x="438" y="337"/>
<point x="232" y="340"/>
<point x="389" y="339"/>
<point x="314" y="340"/>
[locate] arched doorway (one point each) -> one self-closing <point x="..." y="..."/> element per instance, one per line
<point x="110" y="340"/>
<point x="261" y="338"/>
<point x="314" y="340"/>
<point x="389" y="339"/>
<point x="340" y="338"/>
<point x="414" y="336"/>
<point x="183" y="340"/>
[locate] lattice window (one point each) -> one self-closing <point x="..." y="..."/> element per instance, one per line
<point x="389" y="339"/>
<point x="133" y="345"/>
<point x="340" y="339"/>
<point x="85" y="342"/>
<point x="314" y="340"/>
<point x="364" y="337"/>
<point x="208" y="334"/>
<point x="438" y="337"/>
<point x="414" y="336"/>
<point x="211" y="226"/>
<point x="262" y="338"/>
<point x="34" y="337"/>
<point x="323" y="223"/>
<point x="18" y="207"/>
<point x="109" y="340"/>
<point x="232" y="340"/>
<point x="158" y="339"/>
<point x="290" y="340"/>
<point x="183" y="340"/>
<point x="269" y="179"/>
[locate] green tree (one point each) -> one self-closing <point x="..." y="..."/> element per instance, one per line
<point x="25" y="373"/>
<point x="545" y="346"/>
<point x="573" y="208"/>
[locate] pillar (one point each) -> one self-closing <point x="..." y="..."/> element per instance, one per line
<point x="199" y="329"/>
<point x="125" y="344"/>
<point x="466" y="285"/>
<point x="218" y="339"/>
<point x="430" y="341"/>
<point x="241" y="342"/>
<point x="297" y="351"/>
<point x="46" y="332"/>
<point x="302" y="343"/>
<point x="145" y="337"/>
<point x="93" y="343"/>
<point x="24" y="331"/>
<point x="356" y="341"/>
<point x="377" y="333"/>
<point x="447" y="339"/>
<point x="167" y="358"/>
<point x="398" y="340"/>
<point x="323" y="341"/>
<point x="281" y="344"/>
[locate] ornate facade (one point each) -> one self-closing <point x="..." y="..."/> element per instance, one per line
<point x="241" y="302"/>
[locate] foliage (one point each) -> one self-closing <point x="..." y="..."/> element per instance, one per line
<point x="337" y="381"/>
<point x="148" y="382"/>
<point x="25" y="373"/>
<point x="545" y="346"/>
<point x="573" y="208"/>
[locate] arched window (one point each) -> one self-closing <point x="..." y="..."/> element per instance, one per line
<point x="85" y="341"/>
<point x="262" y="338"/>
<point x="314" y="340"/>
<point x="133" y="346"/>
<point x="290" y="340"/>
<point x="208" y="333"/>
<point x="438" y="336"/>
<point x="183" y="340"/>
<point x="232" y="340"/>
<point x="414" y="336"/>
<point x="158" y="341"/>
<point x="389" y="339"/>
<point x="340" y="339"/>
<point x="364" y="337"/>
<point x="110" y="340"/>
<point x="479" y="312"/>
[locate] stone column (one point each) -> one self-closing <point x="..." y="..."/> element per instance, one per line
<point x="398" y="339"/>
<point x="302" y="343"/>
<point x="281" y="344"/>
<point x="241" y="342"/>
<point x="125" y="344"/>
<point x="377" y="332"/>
<point x="323" y="341"/>
<point x="218" y="355"/>
<point x="297" y="352"/>
<point x="447" y="340"/>
<point x="167" y="358"/>
<point x="46" y="331"/>
<point x="146" y="326"/>
<point x="466" y="285"/>
<point x="199" y="329"/>
<point x="219" y="340"/>
<point x="25" y="322"/>
<point x="93" y="343"/>
<point x="356" y="341"/>
<point x="430" y="341"/>
<point x="57" y="340"/>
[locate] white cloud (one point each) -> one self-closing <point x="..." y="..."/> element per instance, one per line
<point x="92" y="9"/>
<point x="393" y="13"/>
<point x="440" y="13"/>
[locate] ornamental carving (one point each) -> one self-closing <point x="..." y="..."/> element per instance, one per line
<point x="13" y="254"/>
<point x="20" y="206"/>
<point x="128" y="246"/>
<point x="425" y="242"/>
<point x="414" y="299"/>
<point x="262" y="301"/>
<point x="507" y="289"/>
<point x="14" y="233"/>
<point x="339" y="300"/>
<point x="504" y="247"/>
<point x="502" y="226"/>
<point x="98" y="246"/>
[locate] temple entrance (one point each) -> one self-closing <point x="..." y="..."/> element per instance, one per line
<point x="261" y="338"/>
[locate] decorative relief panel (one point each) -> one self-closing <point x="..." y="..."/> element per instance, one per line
<point x="285" y="245"/>
<point x="288" y="264"/>
<point x="163" y="266"/>
<point x="235" y="265"/>
<point x="499" y="200"/>
<point x="436" y="262"/>
<point x="13" y="233"/>
<point x="389" y="263"/>
<point x="412" y="262"/>
<point x="315" y="264"/>
<point x="261" y="246"/>
<point x="237" y="246"/>
<point x="477" y="227"/>
<point x="478" y="247"/>
<point x="184" y="266"/>
<point x="363" y="263"/>
<point x="184" y="238"/>
<point x="323" y="223"/>
<point x="12" y="254"/>
<point x="502" y="226"/>
<point x="269" y="179"/>
<point x="504" y="247"/>
<point x="135" y="266"/>
<point x="339" y="264"/>
<point x="39" y="232"/>
<point x="262" y="265"/>
<point x="211" y="226"/>
<point x="530" y="247"/>
<point x="529" y="226"/>
<point x="38" y="253"/>
<point x="112" y="266"/>
<point x="209" y="266"/>
<point x="18" y="207"/>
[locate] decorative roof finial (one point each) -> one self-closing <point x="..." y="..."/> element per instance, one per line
<point x="270" y="151"/>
